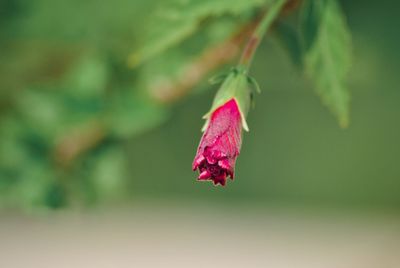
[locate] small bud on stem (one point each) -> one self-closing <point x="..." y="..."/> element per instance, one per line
<point x="220" y="145"/>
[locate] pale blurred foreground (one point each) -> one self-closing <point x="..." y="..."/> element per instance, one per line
<point x="165" y="236"/>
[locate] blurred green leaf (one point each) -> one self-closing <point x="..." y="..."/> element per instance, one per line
<point x="311" y="16"/>
<point x="12" y="150"/>
<point x="171" y="65"/>
<point x="109" y="174"/>
<point x="290" y="40"/>
<point x="41" y="111"/>
<point x="55" y="196"/>
<point x="131" y="114"/>
<point x="102" y="23"/>
<point x="176" y="20"/>
<point x="328" y="61"/>
<point x="88" y="77"/>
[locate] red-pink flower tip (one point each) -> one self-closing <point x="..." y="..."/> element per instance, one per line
<point x="220" y="144"/>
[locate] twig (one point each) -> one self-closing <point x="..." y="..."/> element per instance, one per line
<point x="167" y="91"/>
<point x="256" y="37"/>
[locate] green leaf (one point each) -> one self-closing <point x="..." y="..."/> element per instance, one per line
<point x="177" y="20"/>
<point x="55" y="196"/>
<point x="109" y="174"/>
<point x="168" y="74"/>
<point x="102" y="24"/>
<point x="328" y="61"/>
<point x="290" y="40"/>
<point x="88" y="77"/>
<point x="131" y="114"/>
<point x="310" y="19"/>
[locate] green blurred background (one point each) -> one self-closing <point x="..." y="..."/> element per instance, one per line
<point x="79" y="128"/>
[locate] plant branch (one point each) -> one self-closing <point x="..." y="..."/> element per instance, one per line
<point x="255" y="39"/>
<point x="169" y="91"/>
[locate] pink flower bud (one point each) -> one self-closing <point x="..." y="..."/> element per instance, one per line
<point x="220" y="144"/>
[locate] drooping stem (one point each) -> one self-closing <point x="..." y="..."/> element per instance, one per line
<point x="259" y="32"/>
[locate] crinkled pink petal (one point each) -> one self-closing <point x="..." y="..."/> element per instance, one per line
<point x="220" y="144"/>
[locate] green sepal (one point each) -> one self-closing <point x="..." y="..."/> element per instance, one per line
<point x="254" y="83"/>
<point x="235" y="86"/>
<point x="217" y="79"/>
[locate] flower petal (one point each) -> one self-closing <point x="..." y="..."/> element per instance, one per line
<point x="204" y="175"/>
<point x="198" y="161"/>
<point x="220" y="144"/>
<point x="224" y="163"/>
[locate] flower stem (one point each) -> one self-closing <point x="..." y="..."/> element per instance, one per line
<point x="258" y="34"/>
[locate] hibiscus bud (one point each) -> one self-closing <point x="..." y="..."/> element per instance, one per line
<point x="222" y="138"/>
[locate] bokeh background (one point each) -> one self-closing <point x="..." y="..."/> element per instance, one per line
<point x="95" y="154"/>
